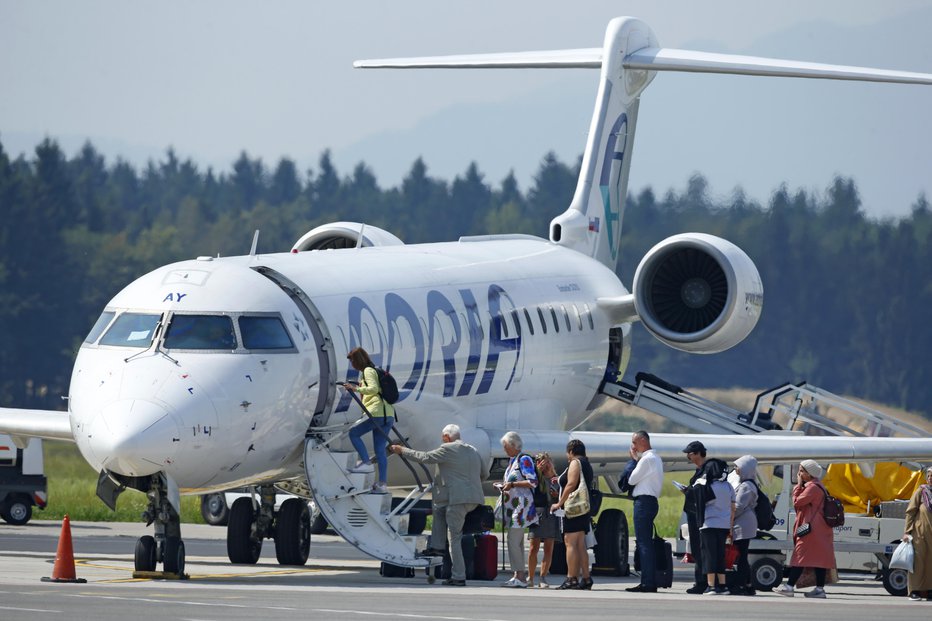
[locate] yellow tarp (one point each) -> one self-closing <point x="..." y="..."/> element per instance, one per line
<point x="891" y="481"/>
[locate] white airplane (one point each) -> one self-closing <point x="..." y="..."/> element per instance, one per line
<point x="215" y="373"/>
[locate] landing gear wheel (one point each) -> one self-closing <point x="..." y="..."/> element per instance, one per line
<point x="766" y="573"/>
<point x="145" y="553"/>
<point x="293" y="532"/>
<point x="17" y="512"/>
<point x="174" y="556"/>
<point x="611" y="552"/>
<point x="894" y="581"/>
<point x="214" y="509"/>
<point x="242" y="546"/>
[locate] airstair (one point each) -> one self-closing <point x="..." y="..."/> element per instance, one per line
<point x="362" y="517"/>
<point x="792" y="407"/>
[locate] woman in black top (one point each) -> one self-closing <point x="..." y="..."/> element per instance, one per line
<point x="575" y="528"/>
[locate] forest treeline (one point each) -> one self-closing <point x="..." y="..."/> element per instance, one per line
<point x="847" y="298"/>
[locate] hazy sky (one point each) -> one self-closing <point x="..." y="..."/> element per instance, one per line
<point x="212" y="78"/>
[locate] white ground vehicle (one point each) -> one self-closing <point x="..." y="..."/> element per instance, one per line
<point x="22" y="480"/>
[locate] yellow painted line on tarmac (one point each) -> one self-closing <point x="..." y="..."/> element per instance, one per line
<point x="245" y="574"/>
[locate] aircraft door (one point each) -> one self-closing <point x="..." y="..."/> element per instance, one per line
<point x="323" y="383"/>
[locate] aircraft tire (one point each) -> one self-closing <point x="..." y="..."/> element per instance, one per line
<point x="242" y="547"/>
<point x="174" y="556"/>
<point x="293" y="532"/>
<point x="145" y="554"/>
<point x="611" y="552"/>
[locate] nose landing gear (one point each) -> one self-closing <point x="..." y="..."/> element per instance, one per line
<point x="166" y="546"/>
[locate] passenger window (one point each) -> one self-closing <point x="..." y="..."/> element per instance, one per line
<point x="264" y="333"/>
<point x="517" y="320"/>
<point x="504" y="323"/>
<point x="589" y="317"/>
<point x="578" y="317"/>
<point x="556" y="324"/>
<point x="543" y="322"/>
<point x="131" y="330"/>
<point x="200" y="332"/>
<point x="102" y="322"/>
<point x="530" y="324"/>
<point x="566" y="317"/>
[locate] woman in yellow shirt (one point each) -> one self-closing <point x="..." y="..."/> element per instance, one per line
<point x="383" y="418"/>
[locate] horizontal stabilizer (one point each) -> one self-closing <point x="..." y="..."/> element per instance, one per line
<point x="651" y="59"/>
<point x="25" y="424"/>
<point x="667" y="59"/>
<point x="589" y="58"/>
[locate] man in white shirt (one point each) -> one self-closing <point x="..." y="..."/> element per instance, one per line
<point x="647" y="480"/>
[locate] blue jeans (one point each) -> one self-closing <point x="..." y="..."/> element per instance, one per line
<point x="379" y="441"/>
<point x="645" y="510"/>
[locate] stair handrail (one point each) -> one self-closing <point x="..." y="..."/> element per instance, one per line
<point x="401" y="439"/>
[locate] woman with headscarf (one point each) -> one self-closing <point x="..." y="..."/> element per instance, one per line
<point x="919" y="531"/>
<point x="745" y="526"/>
<point x="813" y="539"/>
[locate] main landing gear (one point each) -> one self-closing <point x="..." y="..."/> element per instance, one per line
<point x="250" y="522"/>
<point x="166" y="546"/>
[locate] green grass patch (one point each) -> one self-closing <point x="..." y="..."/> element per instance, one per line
<point x="73" y="491"/>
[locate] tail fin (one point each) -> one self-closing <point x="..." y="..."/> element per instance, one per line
<point x="629" y="60"/>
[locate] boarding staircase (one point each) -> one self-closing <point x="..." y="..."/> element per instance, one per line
<point x="362" y="517"/>
<point x="790" y="407"/>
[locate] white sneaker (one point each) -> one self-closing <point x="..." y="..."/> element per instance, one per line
<point x="362" y="467"/>
<point x="543" y="584"/>
<point x="514" y="583"/>
<point x="785" y="589"/>
<point x="380" y="488"/>
<point x="818" y="592"/>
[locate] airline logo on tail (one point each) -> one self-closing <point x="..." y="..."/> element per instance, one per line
<point x="610" y="180"/>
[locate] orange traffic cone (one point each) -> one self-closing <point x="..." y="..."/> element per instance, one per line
<point x="64" y="558"/>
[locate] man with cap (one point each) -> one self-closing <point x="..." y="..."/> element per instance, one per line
<point x="813" y="538"/>
<point x="697" y="494"/>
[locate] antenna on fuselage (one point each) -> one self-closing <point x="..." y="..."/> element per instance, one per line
<point x="362" y="227"/>
<point x="255" y="243"/>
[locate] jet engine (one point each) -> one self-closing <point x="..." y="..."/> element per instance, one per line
<point x="698" y="293"/>
<point x="344" y="235"/>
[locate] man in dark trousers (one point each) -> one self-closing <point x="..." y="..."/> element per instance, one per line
<point x="697" y="494"/>
<point x="646" y="481"/>
<point x="457" y="491"/>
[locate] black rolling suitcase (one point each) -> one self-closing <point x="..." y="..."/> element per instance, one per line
<point x="663" y="553"/>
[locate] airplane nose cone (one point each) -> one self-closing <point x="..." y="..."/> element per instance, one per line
<point x="135" y="437"/>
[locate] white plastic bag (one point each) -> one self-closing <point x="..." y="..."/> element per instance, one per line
<point x="903" y="557"/>
<point x="590" y="538"/>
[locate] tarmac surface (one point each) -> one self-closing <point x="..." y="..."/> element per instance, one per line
<point x="339" y="582"/>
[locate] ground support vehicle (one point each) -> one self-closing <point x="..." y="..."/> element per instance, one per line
<point x="22" y="480"/>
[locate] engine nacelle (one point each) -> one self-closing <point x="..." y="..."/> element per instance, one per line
<point x="344" y="235"/>
<point x="698" y="293"/>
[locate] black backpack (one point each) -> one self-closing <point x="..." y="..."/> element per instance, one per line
<point x="764" y="510"/>
<point x="388" y="387"/>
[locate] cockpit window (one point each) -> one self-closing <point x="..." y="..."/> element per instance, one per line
<point x="264" y="333"/>
<point x="131" y="330"/>
<point x="102" y="322"/>
<point x="200" y="332"/>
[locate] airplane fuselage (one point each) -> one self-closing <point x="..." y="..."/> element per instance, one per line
<point x="186" y="383"/>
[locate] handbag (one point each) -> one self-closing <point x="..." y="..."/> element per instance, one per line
<point x="803" y="530"/>
<point x="903" y="557"/>
<point x="578" y="501"/>
<point x="731" y="555"/>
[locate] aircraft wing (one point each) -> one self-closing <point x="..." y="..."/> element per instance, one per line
<point x="608" y="450"/>
<point x="23" y="424"/>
